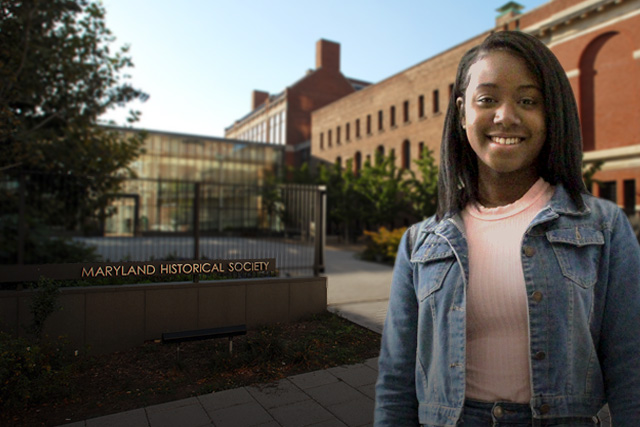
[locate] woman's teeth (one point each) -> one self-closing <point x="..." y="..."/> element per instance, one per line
<point x="506" y="141"/>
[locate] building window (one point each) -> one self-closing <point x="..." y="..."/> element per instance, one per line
<point x="629" y="186"/>
<point x="379" y="154"/>
<point x="339" y="161"/>
<point x="609" y="190"/>
<point x="380" y="119"/>
<point x="347" y="132"/>
<point x="392" y="115"/>
<point x="357" y="164"/>
<point x="338" y="135"/>
<point x="421" y="106"/>
<point x="420" y="149"/>
<point x="368" y="124"/>
<point x="321" y="141"/>
<point x="406" y="154"/>
<point x="357" y="128"/>
<point x="392" y="154"/>
<point x="405" y="112"/>
<point x="329" y="138"/>
<point x="436" y="101"/>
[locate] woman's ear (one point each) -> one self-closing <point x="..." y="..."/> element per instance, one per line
<point x="460" y="105"/>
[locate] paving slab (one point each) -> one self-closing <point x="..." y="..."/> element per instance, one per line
<point x="134" y="418"/>
<point x="273" y="395"/>
<point x="313" y="379"/>
<point x="301" y="414"/>
<point x="355" y="375"/>
<point x="246" y="414"/>
<point x="355" y="413"/>
<point x="184" y="413"/>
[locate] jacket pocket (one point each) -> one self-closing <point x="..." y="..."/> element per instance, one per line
<point x="578" y="251"/>
<point x="432" y="261"/>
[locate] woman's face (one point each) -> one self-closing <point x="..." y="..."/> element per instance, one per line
<point x="503" y="114"/>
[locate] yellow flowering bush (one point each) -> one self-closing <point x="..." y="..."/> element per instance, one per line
<point x="382" y="245"/>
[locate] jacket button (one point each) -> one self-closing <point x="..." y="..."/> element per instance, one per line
<point x="498" y="412"/>
<point x="537" y="296"/>
<point x="544" y="409"/>
<point x="529" y="251"/>
<point x="539" y="355"/>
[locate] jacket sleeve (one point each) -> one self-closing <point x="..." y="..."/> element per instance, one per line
<point x="620" y="334"/>
<point x="396" y="401"/>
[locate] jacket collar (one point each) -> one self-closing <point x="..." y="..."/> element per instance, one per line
<point x="561" y="203"/>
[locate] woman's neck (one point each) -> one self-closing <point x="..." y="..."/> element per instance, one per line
<point x="499" y="189"/>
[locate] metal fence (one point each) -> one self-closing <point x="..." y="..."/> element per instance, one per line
<point x="156" y="219"/>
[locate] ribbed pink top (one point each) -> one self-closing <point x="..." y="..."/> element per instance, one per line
<point x="497" y="366"/>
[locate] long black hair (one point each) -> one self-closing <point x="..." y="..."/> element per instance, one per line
<point x="559" y="161"/>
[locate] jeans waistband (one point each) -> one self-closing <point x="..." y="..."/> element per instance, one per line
<point x="501" y="412"/>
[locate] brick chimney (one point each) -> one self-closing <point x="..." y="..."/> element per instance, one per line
<point x="328" y="55"/>
<point x="258" y="98"/>
<point x="507" y="12"/>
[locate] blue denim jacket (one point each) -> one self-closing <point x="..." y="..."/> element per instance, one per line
<point x="582" y="273"/>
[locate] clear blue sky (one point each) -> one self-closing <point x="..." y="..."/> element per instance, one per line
<point x="199" y="60"/>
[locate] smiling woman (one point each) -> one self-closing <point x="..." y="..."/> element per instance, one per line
<point x="519" y="302"/>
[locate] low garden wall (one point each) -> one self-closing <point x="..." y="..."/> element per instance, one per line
<point x="104" y="319"/>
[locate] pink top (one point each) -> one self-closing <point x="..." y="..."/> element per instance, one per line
<point x="497" y="367"/>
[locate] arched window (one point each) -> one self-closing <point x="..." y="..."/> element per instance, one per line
<point x="609" y="107"/>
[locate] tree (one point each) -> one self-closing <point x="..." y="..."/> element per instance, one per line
<point x="383" y="186"/>
<point x="57" y="77"/>
<point x="423" y="189"/>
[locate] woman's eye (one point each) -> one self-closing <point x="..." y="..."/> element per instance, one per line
<point x="528" y="101"/>
<point x="485" y="100"/>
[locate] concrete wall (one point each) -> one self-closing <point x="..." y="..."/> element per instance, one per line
<point x="111" y="318"/>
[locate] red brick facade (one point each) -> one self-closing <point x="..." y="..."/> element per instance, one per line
<point x="294" y="105"/>
<point x="598" y="44"/>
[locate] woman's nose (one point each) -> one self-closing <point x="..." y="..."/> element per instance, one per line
<point x="506" y="114"/>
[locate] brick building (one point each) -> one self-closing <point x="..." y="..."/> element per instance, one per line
<point x="598" y="45"/>
<point x="285" y="118"/>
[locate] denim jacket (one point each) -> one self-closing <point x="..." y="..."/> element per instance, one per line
<point x="582" y="273"/>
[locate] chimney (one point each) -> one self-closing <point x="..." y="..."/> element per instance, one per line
<point x="258" y="98"/>
<point x="328" y="55"/>
<point x="507" y="12"/>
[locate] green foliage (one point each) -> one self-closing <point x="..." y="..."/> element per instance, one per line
<point x="380" y="195"/>
<point x="31" y="372"/>
<point x="382" y="245"/>
<point x="40" y="247"/>
<point x="589" y="171"/>
<point x="423" y="188"/>
<point x="384" y="189"/>
<point x="43" y="304"/>
<point x="57" y="77"/>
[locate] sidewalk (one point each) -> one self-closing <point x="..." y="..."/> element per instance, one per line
<point x="341" y="396"/>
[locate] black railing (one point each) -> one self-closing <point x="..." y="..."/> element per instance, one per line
<point x="155" y="219"/>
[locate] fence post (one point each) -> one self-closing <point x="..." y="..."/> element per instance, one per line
<point x="196" y="227"/>
<point x="320" y="219"/>
<point x="22" y="226"/>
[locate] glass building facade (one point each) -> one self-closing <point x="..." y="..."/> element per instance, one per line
<point x="227" y="175"/>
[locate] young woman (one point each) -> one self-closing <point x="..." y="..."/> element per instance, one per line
<point x="519" y="302"/>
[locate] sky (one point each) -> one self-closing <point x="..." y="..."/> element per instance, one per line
<point x="200" y="60"/>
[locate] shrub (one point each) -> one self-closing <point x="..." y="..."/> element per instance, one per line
<point x="382" y="245"/>
<point x="31" y="373"/>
